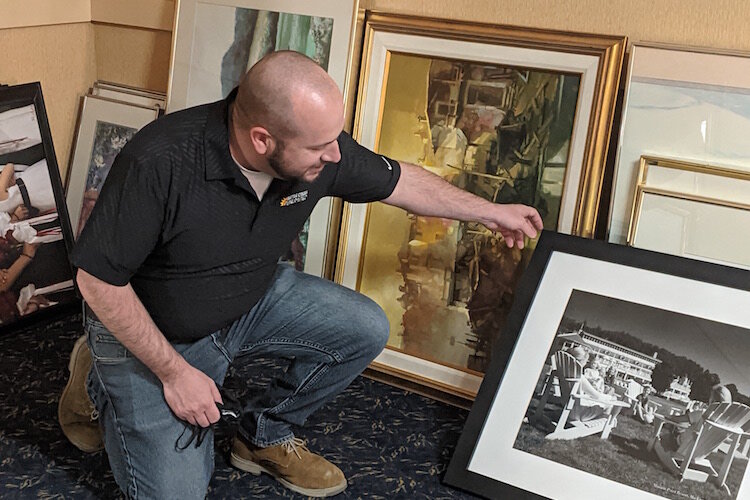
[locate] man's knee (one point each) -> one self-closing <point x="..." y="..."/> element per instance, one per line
<point x="373" y="324"/>
<point x="167" y="479"/>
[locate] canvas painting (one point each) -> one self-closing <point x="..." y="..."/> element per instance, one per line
<point x="250" y="35"/>
<point x="35" y="273"/>
<point x="500" y="132"/>
<point x="496" y="112"/>
<point x="680" y="103"/>
<point x="109" y="138"/>
<point x="104" y="128"/>
<point x="623" y="374"/>
<point x="216" y="43"/>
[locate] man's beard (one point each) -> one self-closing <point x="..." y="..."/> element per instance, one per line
<point x="276" y="163"/>
<point x="279" y="166"/>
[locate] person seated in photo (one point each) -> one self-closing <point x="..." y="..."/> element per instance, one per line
<point x="12" y="264"/>
<point x="641" y="409"/>
<point x="597" y="403"/>
<point x="30" y="186"/>
<point x="594" y="371"/>
<point x="694" y="417"/>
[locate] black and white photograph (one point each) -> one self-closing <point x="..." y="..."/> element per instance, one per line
<point x="646" y="397"/>
<point x="35" y="273"/>
<point x="621" y="372"/>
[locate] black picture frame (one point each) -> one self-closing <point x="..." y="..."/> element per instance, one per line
<point x="45" y="284"/>
<point x="558" y="479"/>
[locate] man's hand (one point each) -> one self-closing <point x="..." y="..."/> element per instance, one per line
<point x="192" y="396"/>
<point x="423" y="193"/>
<point x="513" y="222"/>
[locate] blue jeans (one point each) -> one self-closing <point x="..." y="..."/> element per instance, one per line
<point x="331" y="334"/>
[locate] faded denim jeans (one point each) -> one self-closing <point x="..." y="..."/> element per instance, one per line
<point x="329" y="332"/>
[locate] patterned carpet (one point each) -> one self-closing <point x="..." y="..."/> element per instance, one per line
<point x="389" y="443"/>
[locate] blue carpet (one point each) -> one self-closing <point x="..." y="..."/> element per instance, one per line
<point x="390" y="443"/>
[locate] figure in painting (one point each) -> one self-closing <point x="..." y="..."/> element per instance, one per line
<point x="30" y="186"/>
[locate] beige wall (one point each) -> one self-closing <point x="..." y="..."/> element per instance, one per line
<point x="61" y="57"/>
<point x="133" y="56"/>
<point x="121" y="50"/>
<point x="718" y="23"/>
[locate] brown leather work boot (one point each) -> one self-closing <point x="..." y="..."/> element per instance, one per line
<point x="292" y="464"/>
<point x="76" y="412"/>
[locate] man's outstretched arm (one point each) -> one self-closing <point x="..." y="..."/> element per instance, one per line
<point x="423" y="193"/>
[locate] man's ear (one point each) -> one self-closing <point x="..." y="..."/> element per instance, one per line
<point x="261" y="140"/>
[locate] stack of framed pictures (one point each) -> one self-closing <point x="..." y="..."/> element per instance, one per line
<point x="35" y="235"/>
<point x="127" y="93"/>
<point x="215" y="43"/>
<point x="513" y="115"/>
<point x="109" y="116"/>
<point x="687" y="115"/>
<point x="693" y="210"/>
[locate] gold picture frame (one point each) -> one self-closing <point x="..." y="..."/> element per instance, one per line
<point x="691" y="210"/>
<point x="592" y="62"/>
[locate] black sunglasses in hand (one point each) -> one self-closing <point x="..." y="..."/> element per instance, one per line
<point x="230" y="411"/>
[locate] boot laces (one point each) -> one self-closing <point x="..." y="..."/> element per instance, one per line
<point x="295" y="445"/>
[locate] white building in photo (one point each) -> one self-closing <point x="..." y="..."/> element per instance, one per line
<point x="679" y="389"/>
<point x="626" y="363"/>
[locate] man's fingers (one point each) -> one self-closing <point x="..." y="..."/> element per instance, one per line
<point x="528" y="229"/>
<point x="536" y="219"/>
<point x="213" y="416"/>
<point x="202" y="420"/>
<point x="216" y="394"/>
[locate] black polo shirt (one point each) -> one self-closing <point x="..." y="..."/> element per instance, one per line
<point x="178" y="221"/>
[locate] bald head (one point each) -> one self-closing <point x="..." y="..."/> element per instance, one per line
<point x="281" y="91"/>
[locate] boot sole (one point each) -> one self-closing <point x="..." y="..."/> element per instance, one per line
<point x="74" y="357"/>
<point x="256" y="470"/>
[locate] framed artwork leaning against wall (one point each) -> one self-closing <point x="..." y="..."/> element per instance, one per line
<point x="693" y="210"/>
<point x="105" y="125"/>
<point x="511" y="114"/>
<point x="35" y="235"/>
<point x="685" y="103"/>
<point x="623" y="374"/>
<point x="215" y="42"/>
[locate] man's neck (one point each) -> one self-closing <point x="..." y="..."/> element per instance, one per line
<point x="246" y="156"/>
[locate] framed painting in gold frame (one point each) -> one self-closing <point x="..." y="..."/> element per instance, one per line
<point x="693" y="210"/>
<point x="511" y="114"/>
<point x="216" y="41"/>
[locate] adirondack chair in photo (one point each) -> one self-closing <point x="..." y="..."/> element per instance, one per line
<point x="720" y="422"/>
<point x="574" y="397"/>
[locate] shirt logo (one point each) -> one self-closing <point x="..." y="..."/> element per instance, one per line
<point x="293" y="198"/>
